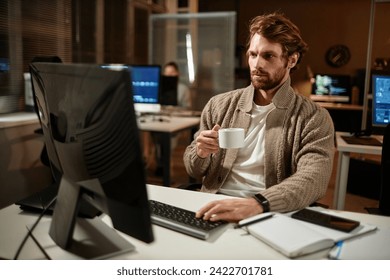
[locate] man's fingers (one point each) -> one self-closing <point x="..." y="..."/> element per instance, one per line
<point x="216" y="127"/>
<point x="202" y="212"/>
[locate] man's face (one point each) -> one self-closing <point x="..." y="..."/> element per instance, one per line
<point x="268" y="66"/>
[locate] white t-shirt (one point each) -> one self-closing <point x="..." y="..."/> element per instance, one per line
<point x="247" y="175"/>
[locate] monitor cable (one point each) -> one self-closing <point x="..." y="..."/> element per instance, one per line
<point x="30" y="231"/>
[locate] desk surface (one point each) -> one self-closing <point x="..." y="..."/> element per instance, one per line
<point x="340" y="106"/>
<point x="168" y="124"/>
<point x="343" y="146"/>
<point x="231" y="244"/>
<point x="344" y="150"/>
<point x="16" y="119"/>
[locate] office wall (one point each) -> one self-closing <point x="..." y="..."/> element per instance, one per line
<point x="323" y="23"/>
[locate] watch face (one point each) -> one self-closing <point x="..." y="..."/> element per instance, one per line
<point x="338" y="55"/>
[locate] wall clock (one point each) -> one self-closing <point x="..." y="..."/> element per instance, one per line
<point x="338" y="55"/>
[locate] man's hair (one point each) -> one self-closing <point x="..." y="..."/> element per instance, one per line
<point x="173" y="64"/>
<point x="277" y="28"/>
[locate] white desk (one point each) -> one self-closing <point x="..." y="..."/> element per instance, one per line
<point x="18" y="119"/>
<point x="340" y="106"/>
<point x="21" y="170"/>
<point x="168" y="126"/>
<point x="344" y="150"/>
<point x="231" y="244"/>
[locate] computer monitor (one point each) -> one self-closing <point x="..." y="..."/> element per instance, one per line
<point x="168" y="93"/>
<point x="380" y="100"/>
<point x="4" y="65"/>
<point x="90" y="130"/>
<point x="145" y="81"/>
<point x="331" y="88"/>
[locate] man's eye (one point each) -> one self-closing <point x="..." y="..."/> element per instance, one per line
<point x="268" y="56"/>
<point x="252" y="54"/>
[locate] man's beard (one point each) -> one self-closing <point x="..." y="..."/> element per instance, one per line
<point x="265" y="82"/>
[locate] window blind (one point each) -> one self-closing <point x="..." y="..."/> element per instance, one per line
<point x="30" y="28"/>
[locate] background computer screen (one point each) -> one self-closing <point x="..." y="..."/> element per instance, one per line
<point x="331" y="88"/>
<point x="91" y="133"/>
<point x="146" y="84"/>
<point x="380" y="100"/>
<point x="4" y="65"/>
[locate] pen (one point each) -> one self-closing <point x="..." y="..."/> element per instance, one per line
<point x="339" y="245"/>
<point x="252" y="221"/>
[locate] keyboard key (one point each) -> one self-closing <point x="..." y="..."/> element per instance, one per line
<point x="181" y="220"/>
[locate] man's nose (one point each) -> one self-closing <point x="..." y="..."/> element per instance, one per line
<point x="258" y="62"/>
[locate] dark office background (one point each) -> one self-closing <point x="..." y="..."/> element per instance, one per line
<point x="104" y="31"/>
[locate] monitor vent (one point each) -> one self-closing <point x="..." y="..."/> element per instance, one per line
<point x="109" y="144"/>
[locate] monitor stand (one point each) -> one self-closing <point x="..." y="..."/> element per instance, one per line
<point x="80" y="237"/>
<point x="92" y="239"/>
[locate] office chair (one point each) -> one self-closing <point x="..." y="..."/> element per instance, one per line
<point x="384" y="195"/>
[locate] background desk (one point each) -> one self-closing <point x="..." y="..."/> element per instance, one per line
<point x="346" y="117"/>
<point x="344" y="150"/>
<point x="18" y="119"/>
<point x="167" y="127"/>
<point x="231" y="244"/>
<point x="21" y="170"/>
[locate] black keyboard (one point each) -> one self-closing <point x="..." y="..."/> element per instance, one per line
<point x="181" y="220"/>
<point x="39" y="200"/>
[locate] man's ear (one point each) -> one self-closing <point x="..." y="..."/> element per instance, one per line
<point x="293" y="60"/>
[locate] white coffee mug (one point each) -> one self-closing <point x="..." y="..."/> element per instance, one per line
<point x="231" y="138"/>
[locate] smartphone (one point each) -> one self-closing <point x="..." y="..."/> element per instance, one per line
<point x="326" y="220"/>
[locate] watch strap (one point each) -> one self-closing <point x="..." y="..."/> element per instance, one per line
<point x="262" y="201"/>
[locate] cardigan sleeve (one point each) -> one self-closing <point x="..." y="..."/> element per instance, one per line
<point x="302" y="176"/>
<point x="196" y="166"/>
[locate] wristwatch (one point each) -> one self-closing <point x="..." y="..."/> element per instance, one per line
<point x="262" y="201"/>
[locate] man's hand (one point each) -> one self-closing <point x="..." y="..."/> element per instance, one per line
<point x="230" y="210"/>
<point x="207" y="142"/>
